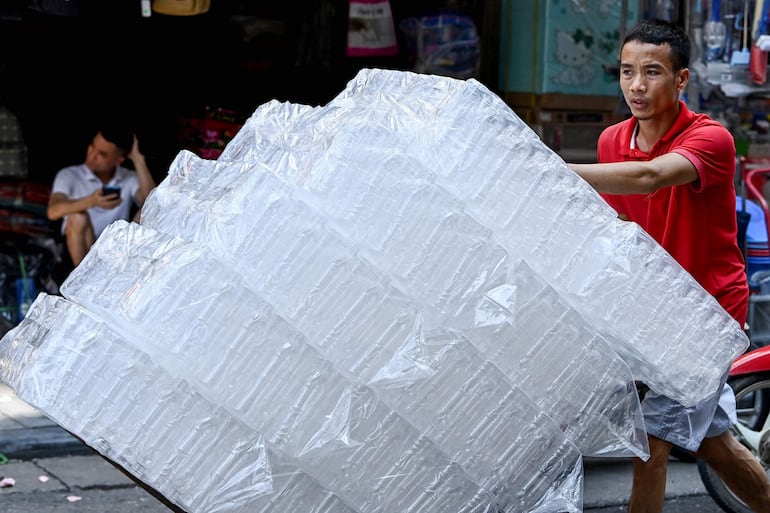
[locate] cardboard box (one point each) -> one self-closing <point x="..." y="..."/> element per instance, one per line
<point x="558" y="101"/>
<point x="572" y="134"/>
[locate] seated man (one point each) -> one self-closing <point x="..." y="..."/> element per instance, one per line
<point x="78" y="195"/>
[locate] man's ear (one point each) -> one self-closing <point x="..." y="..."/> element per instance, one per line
<point x="682" y="77"/>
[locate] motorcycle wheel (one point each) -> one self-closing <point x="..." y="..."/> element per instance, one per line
<point x="752" y="397"/>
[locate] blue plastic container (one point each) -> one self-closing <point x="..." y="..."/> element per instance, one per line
<point x="25" y="294"/>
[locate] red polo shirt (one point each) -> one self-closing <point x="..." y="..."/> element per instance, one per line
<point x="696" y="222"/>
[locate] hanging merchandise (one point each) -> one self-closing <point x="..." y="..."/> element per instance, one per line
<point x="55" y="7"/>
<point x="741" y="57"/>
<point x="370" y="29"/>
<point x="758" y="58"/>
<point x="315" y="44"/>
<point x="667" y="10"/>
<point x="696" y="25"/>
<point x="181" y="7"/>
<point x="444" y="43"/>
<point x="715" y="33"/>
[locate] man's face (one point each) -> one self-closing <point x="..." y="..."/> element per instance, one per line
<point x="102" y="156"/>
<point x="648" y="81"/>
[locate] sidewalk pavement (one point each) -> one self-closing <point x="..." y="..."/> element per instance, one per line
<point x="26" y="434"/>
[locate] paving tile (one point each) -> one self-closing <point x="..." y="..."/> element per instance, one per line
<point x="85" y="471"/>
<point x="26" y="474"/>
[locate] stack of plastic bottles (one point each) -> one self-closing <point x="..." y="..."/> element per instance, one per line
<point x="399" y="302"/>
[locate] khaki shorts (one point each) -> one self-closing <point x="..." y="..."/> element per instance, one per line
<point x="688" y="426"/>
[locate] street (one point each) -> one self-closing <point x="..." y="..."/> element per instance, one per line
<point x="695" y="504"/>
<point x="607" y="485"/>
<point x="96" y="486"/>
<point x="50" y="468"/>
<point x="77" y="483"/>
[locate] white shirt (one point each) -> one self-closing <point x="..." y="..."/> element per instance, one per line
<point x="78" y="181"/>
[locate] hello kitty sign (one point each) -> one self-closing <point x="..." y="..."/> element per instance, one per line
<point x="567" y="47"/>
<point x="576" y="59"/>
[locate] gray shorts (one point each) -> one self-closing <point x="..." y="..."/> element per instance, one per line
<point x="688" y="426"/>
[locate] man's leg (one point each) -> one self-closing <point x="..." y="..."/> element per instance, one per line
<point x="649" y="485"/>
<point x="738" y="468"/>
<point x="80" y="236"/>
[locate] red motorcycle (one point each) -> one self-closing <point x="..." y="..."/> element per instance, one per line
<point x="750" y="378"/>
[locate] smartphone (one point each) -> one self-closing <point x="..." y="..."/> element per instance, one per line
<point x="111" y="189"/>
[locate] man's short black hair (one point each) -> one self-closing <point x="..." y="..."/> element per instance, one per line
<point x="659" y="32"/>
<point x="119" y="135"/>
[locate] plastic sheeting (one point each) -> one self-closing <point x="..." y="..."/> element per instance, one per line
<point x="401" y="301"/>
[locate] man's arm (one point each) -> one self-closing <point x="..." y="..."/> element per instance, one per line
<point x="146" y="182"/>
<point x="59" y="205"/>
<point x="638" y="177"/>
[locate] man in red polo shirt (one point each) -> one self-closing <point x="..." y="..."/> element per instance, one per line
<point x="671" y="171"/>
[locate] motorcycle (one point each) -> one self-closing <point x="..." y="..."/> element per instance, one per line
<point x="750" y="379"/>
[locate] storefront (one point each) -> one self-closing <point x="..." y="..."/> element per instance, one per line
<point x="83" y="59"/>
<point x="189" y="81"/>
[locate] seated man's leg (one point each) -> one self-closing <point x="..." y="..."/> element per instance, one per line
<point x="80" y="236"/>
<point x="738" y="468"/>
<point x="649" y="486"/>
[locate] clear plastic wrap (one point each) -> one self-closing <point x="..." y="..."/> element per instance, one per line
<point x="460" y="137"/>
<point x="448" y="280"/>
<point x="398" y="302"/>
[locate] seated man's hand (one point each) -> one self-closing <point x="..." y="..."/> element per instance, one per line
<point x="105" y="201"/>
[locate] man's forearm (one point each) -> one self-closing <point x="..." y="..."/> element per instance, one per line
<point x="146" y="181"/>
<point x="64" y="207"/>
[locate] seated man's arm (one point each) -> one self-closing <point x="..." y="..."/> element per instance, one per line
<point x="146" y="182"/>
<point x="60" y="205"/>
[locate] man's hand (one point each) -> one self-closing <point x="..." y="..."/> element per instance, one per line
<point x="105" y="201"/>
<point x="135" y="154"/>
<point x="146" y="181"/>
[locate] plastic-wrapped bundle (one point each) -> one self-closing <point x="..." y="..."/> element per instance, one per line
<point x="280" y="224"/>
<point x="155" y="424"/>
<point x="412" y="131"/>
<point x="344" y="289"/>
<point x="171" y="297"/>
